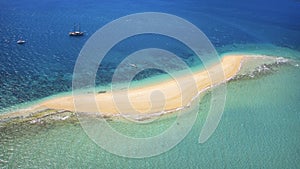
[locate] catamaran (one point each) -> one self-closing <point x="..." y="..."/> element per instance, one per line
<point x="76" y="32"/>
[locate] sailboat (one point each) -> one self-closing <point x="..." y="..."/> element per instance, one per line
<point x="76" y="32"/>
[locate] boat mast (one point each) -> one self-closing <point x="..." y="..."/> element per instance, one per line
<point x="74" y="27"/>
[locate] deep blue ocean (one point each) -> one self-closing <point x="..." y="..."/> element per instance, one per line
<point x="44" y="65"/>
<point x="261" y="123"/>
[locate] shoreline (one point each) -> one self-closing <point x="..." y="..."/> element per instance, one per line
<point x="140" y="96"/>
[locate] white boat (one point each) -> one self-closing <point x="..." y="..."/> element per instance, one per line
<point x="133" y="65"/>
<point x="21" y="41"/>
<point x="76" y="32"/>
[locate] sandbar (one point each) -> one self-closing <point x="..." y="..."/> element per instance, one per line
<point x="165" y="96"/>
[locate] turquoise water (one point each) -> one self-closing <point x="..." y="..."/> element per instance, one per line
<point x="259" y="128"/>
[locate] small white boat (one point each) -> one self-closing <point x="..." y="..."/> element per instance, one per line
<point x="76" y="32"/>
<point x="21" y="41"/>
<point x="133" y="65"/>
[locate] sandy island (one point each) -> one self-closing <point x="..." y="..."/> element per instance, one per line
<point x="172" y="95"/>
